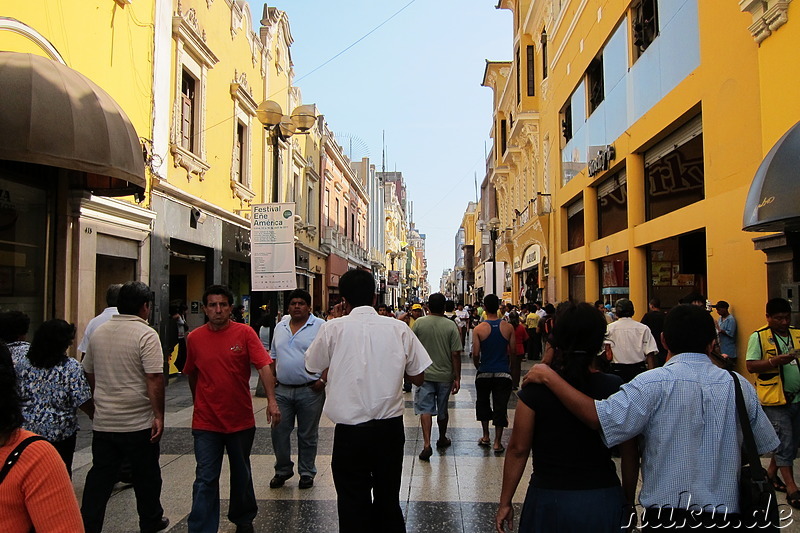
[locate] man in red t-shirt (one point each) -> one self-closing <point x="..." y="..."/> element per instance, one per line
<point x="218" y="359"/>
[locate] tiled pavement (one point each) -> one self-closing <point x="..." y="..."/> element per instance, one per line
<point x="456" y="492"/>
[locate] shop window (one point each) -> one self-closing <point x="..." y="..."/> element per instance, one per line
<point x="188" y="107"/>
<point x="530" y="71"/>
<point x="677" y="267"/>
<point x="577" y="282"/>
<point x="594" y="81"/>
<point x="674" y="170"/>
<point x="612" y="205"/>
<point x="644" y="26"/>
<point x="614" y="277"/>
<point x="575" y="225"/>
<point x="544" y="54"/>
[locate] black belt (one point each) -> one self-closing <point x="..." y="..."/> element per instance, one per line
<point x="306" y="384"/>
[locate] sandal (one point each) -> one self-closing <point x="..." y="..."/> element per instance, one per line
<point x="793" y="499"/>
<point x="501" y="449"/>
<point x="483" y="441"/>
<point x="777" y="484"/>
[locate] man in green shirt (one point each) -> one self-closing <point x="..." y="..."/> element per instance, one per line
<point x="772" y="355"/>
<point x="439" y="335"/>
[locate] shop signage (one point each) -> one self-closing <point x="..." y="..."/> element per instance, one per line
<point x="272" y="265"/>
<point x="599" y="162"/>
<point x="529" y="259"/>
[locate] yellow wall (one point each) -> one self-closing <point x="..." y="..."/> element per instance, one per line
<point x="110" y="44"/>
<point x="747" y="96"/>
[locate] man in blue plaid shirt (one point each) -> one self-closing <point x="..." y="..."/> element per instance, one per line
<point x="686" y="415"/>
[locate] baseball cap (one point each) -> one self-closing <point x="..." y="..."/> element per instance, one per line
<point x="416" y="306"/>
<point x="721" y="303"/>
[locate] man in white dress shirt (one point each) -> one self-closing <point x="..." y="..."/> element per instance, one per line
<point x="366" y="356"/>
<point x="630" y="346"/>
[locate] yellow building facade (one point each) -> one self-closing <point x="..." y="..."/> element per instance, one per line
<point x="71" y="226"/>
<point x="626" y="137"/>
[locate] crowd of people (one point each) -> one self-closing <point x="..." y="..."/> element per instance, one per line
<point x="656" y="393"/>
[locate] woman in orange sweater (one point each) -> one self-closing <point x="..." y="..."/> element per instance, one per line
<point x="36" y="492"/>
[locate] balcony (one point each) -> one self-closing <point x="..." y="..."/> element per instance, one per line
<point x="335" y="241"/>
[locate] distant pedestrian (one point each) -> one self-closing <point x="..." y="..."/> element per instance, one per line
<point x="366" y="356"/>
<point x="53" y="387"/>
<point x="124" y="364"/>
<point x="112" y="295"/>
<point x="726" y="330"/>
<point x="629" y="344"/>
<point x="299" y="394"/>
<point x="14" y="327"/>
<point x="520" y="340"/>
<point x="654" y="319"/>
<point x="492" y="347"/>
<point x="439" y="335"/>
<point x="218" y="361"/>
<point x="532" y="328"/>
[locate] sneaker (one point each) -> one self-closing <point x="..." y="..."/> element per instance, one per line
<point x="425" y="454"/>
<point x="160" y="526"/>
<point x="306" y="482"/>
<point x="278" y="481"/>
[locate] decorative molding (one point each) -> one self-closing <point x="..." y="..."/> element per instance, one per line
<point x="505" y="71"/>
<point x="189" y="161"/>
<point x="237" y="16"/>
<point x="242" y="94"/>
<point x="768" y="16"/>
<point x="186" y="28"/>
<point x="245" y="194"/>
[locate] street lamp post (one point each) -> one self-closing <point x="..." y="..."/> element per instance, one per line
<point x="281" y="127"/>
<point x="494" y="225"/>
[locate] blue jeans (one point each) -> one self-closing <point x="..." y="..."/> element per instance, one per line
<point x="306" y="405"/>
<point x="208" y="449"/>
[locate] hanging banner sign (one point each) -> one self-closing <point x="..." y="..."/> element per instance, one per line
<point x="272" y="266"/>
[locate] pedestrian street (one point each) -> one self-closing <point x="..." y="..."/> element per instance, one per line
<point x="456" y="492"/>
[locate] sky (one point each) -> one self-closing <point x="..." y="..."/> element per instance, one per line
<point x="417" y="77"/>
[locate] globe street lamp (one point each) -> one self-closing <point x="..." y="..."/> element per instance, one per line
<point x="494" y="226"/>
<point x="281" y="127"/>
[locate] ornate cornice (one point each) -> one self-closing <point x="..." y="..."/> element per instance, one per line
<point x="186" y="27"/>
<point x="768" y="16"/>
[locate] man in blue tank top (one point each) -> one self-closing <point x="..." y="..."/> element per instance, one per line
<point x="491" y="349"/>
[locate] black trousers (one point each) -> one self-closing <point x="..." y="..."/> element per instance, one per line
<point x="367" y="465"/>
<point x="628" y="372"/>
<point x="66" y="449"/>
<point x="108" y="452"/>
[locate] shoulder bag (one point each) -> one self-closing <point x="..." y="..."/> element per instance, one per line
<point x="757" y="503"/>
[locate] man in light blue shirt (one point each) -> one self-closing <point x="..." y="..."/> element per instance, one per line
<point x="685" y="415"/>
<point x="726" y="330"/>
<point x="298" y="393"/>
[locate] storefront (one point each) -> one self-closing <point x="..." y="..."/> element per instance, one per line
<point x="526" y="268"/>
<point x="63" y="239"/>
<point x="772" y="206"/>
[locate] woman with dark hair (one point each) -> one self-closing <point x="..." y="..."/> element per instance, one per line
<point x="572" y="467"/>
<point x="53" y="386"/>
<point x="36" y="492"/>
